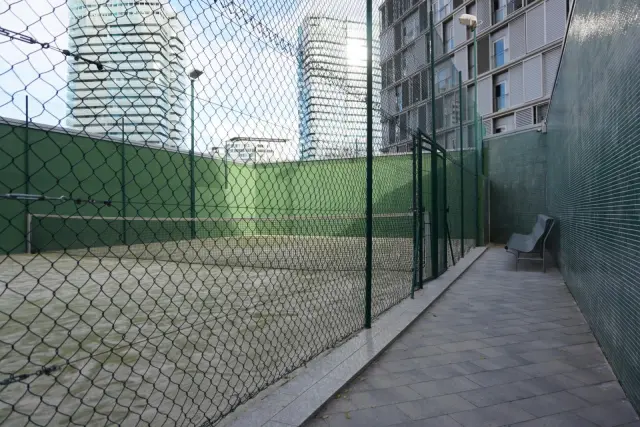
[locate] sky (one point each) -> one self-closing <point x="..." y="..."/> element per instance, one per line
<point x="249" y="85"/>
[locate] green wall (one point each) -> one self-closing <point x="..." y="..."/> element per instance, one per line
<point x="593" y="184"/>
<point x="516" y="165"/>
<point x="157" y="184"/>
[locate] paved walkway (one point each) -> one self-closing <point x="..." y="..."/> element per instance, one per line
<point x="499" y="348"/>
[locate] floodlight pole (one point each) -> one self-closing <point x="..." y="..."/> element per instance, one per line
<point x="193" y="76"/>
<point x="369" y="171"/>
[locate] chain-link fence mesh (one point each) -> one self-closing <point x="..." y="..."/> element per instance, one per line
<point x="183" y="203"/>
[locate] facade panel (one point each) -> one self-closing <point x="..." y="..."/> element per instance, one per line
<point x="484" y="15"/>
<point x="551" y="61"/>
<point x="516" y="83"/>
<point x="459" y="30"/>
<point x="460" y="60"/>
<point x="555" y="17"/>
<point x="517" y="39"/>
<point x="524" y="117"/>
<point x="535" y="28"/>
<point x="485" y="96"/>
<point x="533" y="76"/>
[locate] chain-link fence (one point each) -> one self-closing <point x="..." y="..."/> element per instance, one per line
<point x="191" y="203"/>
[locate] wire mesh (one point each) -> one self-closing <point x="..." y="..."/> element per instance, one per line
<point x="183" y="203"/>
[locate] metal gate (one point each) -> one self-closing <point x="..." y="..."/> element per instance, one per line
<point x="445" y="207"/>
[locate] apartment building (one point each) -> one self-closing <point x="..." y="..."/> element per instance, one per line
<point x="332" y="88"/>
<point x="519" y="50"/>
<point x="141" y="91"/>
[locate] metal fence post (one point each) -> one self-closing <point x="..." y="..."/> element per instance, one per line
<point x="27" y="177"/>
<point x="123" y="186"/>
<point x="193" y="166"/>
<point x="461" y="164"/>
<point x="420" y="203"/>
<point x="414" y="203"/>
<point x="434" y="158"/>
<point x="369" y="173"/>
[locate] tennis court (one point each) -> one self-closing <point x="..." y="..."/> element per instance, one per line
<point x="180" y="331"/>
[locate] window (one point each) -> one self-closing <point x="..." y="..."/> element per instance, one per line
<point x="500" y="10"/>
<point x="424" y="86"/>
<point x="498" y="53"/>
<point x="443" y="82"/>
<point x="501" y="96"/>
<point x="415" y="88"/>
<point x="540" y="113"/>
<point x="403" y="66"/>
<point x="410" y="28"/>
<point x="500" y="129"/>
<point x="443" y="8"/>
<point x="448" y="36"/>
<point x="514" y="5"/>
<point x="398" y="97"/>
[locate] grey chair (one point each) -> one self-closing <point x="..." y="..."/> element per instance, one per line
<point x="532" y="243"/>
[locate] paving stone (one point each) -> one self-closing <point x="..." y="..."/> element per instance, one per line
<point x="446" y="386"/>
<point x="373" y="417"/>
<point x="547" y="368"/>
<point x="462" y="346"/>
<point x="600" y="393"/>
<point x="384" y="396"/>
<point x="434" y="406"/>
<point x="492" y="416"/>
<point x="549" y="404"/>
<point x="557" y="420"/>
<point x="502" y="393"/>
<point x="441" y="421"/>
<point x="595" y="375"/>
<point x="500" y="362"/>
<point x="501" y="376"/>
<point x="546" y="355"/>
<point x="451" y="370"/>
<point x="610" y="414"/>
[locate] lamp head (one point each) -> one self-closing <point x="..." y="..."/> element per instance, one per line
<point x="194" y="74"/>
<point x="470" y="21"/>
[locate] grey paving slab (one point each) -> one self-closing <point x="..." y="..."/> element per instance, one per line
<point x="600" y="393"/>
<point x="557" y="420"/>
<point x="610" y="414"/>
<point x="500" y="348"/>
<point x="492" y="416"/>
<point x="373" y="417"/>
<point x="434" y="406"/>
<point x="549" y="404"/>
<point x="441" y="421"/>
<point x="446" y="386"/>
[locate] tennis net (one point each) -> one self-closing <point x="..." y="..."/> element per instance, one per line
<point x="287" y="242"/>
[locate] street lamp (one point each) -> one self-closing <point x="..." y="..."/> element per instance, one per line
<point x="471" y="22"/>
<point x="193" y="76"/>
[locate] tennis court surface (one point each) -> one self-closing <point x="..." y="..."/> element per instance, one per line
<point x="176" y="331"/>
